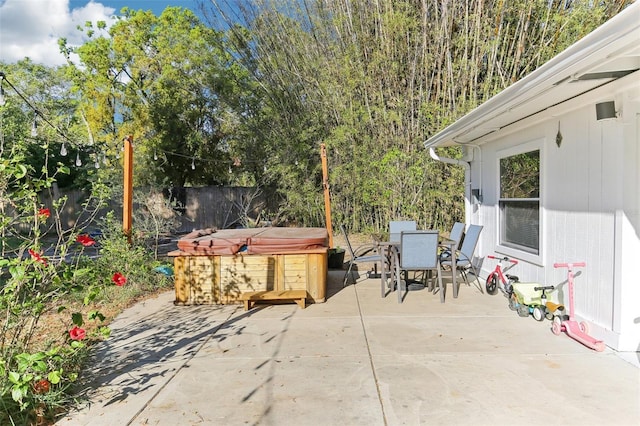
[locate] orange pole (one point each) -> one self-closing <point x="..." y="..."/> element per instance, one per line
<point x="127" y="203"/>
<point x="327" y="198"/>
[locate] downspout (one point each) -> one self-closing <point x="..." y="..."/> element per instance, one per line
<point x="464" y="162"/>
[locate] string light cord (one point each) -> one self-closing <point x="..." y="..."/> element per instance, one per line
<point x="235" y="162"/>
<point x="3" y="78"/>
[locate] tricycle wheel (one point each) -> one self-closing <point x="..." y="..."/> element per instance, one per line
<point x="513" y="304"/>
<point x="556" y="326"/>
<point x="492" y="284"/>
<point x="538" y="313"/>
<point x="523" y="310"/>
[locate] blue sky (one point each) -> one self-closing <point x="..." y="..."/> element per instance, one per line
<point x="32" y="27"/>
<point x="156" y="6"/>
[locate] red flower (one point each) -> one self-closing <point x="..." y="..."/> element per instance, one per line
<point x="119" y="279"/>
<point x="44" y="212"/>
<point x="77" y="333"/>
<point x="85" y="240"/>
<point x="41" y="386"/>
<point x="37" y="257"/>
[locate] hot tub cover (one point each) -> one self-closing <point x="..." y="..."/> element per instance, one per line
<point x="252" y="240"/>
<point x="215" y="241"/>
<point x="284" y="240"/>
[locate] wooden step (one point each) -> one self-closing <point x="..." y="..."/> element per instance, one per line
<point x="251" y="297"/>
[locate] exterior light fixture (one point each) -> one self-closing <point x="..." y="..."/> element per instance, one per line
<point x="605" y="110"/>
<point x="78" y="160"/>
<point x="63" y="150"/>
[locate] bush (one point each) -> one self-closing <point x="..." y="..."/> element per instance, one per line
<point x="46" y="276"/>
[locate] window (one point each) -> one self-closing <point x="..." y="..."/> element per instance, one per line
<point x="520" y="201"/>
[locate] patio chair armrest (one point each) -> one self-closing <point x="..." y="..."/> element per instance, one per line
<point x="366" y="248"/>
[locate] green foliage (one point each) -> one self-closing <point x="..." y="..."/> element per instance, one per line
<point x="31" y="283"/>
<point x="48" y="91"/>
<point x="133" y="260"/>
<point x="177" y="91"/>
<point x="373" y="83"/>
<point x="44" y="271"/>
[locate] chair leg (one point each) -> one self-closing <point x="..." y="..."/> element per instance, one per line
<point x="442" y="288"/>
<point x="399" y="285"/>
<point x="346" y="275"/>
<point x="464" y="275"/>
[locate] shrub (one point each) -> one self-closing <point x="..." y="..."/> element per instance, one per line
<point x="45" y="272"/>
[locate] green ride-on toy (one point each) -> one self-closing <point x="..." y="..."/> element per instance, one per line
<point x="531" y="299"/>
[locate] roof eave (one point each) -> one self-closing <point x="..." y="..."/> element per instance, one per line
<point x="615" y="37"/>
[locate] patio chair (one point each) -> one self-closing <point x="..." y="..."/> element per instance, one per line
<point x="464" y="256"/>
<point x="366" y="253"/>
<point x="457" y="231"/>
<point x="418" y="251"/>
<point x="387" y="248"/>
<point x="397" y="226"/>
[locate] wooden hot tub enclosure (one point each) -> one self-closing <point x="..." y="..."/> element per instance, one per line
<point x="218" y="266"/>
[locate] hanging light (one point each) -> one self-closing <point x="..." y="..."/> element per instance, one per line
<point x="34" y="128"/>
<point x="264" y="169"/>
<point x="78" y="160"/>
<point x="96" y="164"/>
<point x="155" y="155"/>
<point x="63" y="150"/>
<point x="230" y="171"/>
<point x="193" y="164"/>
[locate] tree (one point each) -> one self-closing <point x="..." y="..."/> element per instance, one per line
<point x="38" y="118"/>
<point x="372" y="80"/>
<point x="166" y="81"/>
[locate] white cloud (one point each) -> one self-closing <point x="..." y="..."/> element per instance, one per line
<point x="32" y="28"/>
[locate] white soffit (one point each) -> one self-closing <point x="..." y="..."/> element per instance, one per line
<point x="609" y="52"/>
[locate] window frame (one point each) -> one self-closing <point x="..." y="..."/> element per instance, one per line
<point x="535" y="145"/>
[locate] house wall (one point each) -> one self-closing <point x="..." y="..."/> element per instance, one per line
<point x="590" y="206"/>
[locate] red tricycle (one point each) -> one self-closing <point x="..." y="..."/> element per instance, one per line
<point x="524" y="298"/>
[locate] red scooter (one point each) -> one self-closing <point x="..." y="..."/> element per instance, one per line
<point x="577" y="331"/>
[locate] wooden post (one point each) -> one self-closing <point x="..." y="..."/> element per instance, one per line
<point x="325" y="186"/>
<point x="127" y="204"/>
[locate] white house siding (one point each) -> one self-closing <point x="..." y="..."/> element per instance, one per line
<point x="590" y="206"/>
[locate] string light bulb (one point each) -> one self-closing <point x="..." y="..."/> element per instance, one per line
<point x="155" y="155"/>
<point x="78" y="160"/>
<point x="63" y="150"/>
<point x="193" y="164"/>
<point x="34" y="128"/>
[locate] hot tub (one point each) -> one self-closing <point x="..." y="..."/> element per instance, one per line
<point x="218" y="266"/>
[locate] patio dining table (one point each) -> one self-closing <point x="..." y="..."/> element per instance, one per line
<point x="390" y="253"/>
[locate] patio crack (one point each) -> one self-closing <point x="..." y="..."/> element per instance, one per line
<point x="373" y="369"/>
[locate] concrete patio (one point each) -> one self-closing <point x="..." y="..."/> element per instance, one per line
<point x="357" y="359"/>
